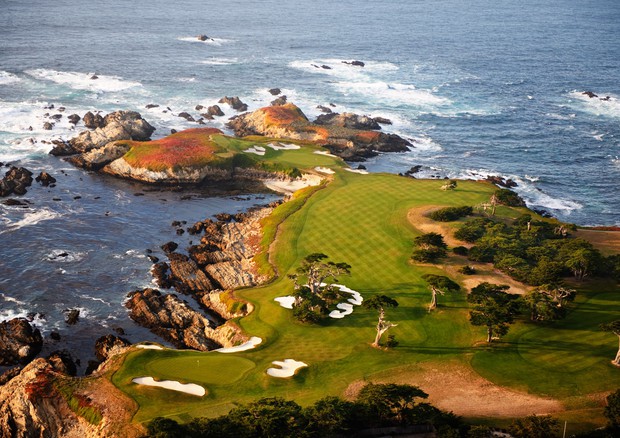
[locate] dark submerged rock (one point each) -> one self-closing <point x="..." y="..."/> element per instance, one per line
<point x="235" y="103"/>
<point x="16" y="180"/>
<point x="279" y="101"/>
<point x="275" y="91"/>
<point x="355" y="63"/>
<point x="45" y="179"/>
<point x="109" y="345"/>
<point x="20" y="342"/>
<point x="73" y="316"/>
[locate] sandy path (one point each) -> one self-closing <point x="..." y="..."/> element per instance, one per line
<point x="457" y="388"/>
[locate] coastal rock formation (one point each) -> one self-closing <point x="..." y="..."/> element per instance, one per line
<point x="110" y="345"/>
<point x="35" y="403"/>
<point x="355" y="63"/>
<point x="97" y="158"/>
<point x="93" y="121"/>
<point x="119" y="125"/>
<point x="279" y="101"/>
<point x="288" y="121"/>
<point x="348" y="120"/>
<point x="274" y="91"/>
<point x="16" y="180"/>
<point x="45" y="179"/>
<point x="174" y="320"/>
<point x="215" y="110"/>
<point x="235" y="103"/>
<point x="186" y="276"/>
<point x="19" y="341"/>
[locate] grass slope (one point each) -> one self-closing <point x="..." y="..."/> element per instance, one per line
<point x="362" y="220"/>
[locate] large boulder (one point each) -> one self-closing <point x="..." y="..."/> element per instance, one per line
<point x="348" y="120"/>
<point x="119" y="125"/>
<point x="234" y="102"/>
<point x="19" y="341"/>
<point x="98" y="158"/>
<point x="16" y="180"/>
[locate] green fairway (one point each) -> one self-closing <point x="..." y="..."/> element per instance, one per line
<point x="362" y="220"/>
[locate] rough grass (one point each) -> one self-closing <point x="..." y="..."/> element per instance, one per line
<point x="362" y="220"/>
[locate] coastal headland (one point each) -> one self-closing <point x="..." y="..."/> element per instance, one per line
<point x="219" y="293"/>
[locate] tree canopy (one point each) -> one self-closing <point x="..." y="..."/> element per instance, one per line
<point x="493" y="308"/>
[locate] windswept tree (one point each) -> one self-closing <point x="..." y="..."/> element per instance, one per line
<point x="614" y="327"/>
<point x="430" y="247"/>
<point x="493" y="308"/>
<point x="439" y="284"/>
<point x="315" y="271"/>
<point x="380" y="302"/>
<point x="391" y="403"/>
<point x="535" y="426"/>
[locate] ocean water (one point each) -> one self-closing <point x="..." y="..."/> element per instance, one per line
<point x="482" y="87"/>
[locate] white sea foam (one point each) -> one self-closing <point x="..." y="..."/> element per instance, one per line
<point x="64" y="256"/>
<point x="88" y="297"/>
<point x="600" y="106"/>
<point x="220" y="61"/>
<point x="7" y="78"/>
<point x="213" y="41"/>
<point x="83" y="81"/>
<point x="340" y="69"/>
<point x="425" y="143"/>
<point x="11" y="300"/>
<point x="31" y="218"/>
<point x="393" y="93"/>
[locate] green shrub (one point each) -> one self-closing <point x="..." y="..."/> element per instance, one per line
<point x="509" y="198"/>
<point x="467" y="270"/>
<point x="449" y="214"/>
<point x="460" y="250"/>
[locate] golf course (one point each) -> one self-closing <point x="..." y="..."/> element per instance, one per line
<point x="370" y="221"/>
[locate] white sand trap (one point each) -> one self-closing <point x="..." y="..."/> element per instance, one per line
<point x="327" y="154"/>
<point x="345" y="309"/>
<point x="326" y="170"/>
<point x="291" y="186"/>
<point x="284" y="146"/>
<point x="360" y="171"/>
<point x="188" y="388"/>
<point x="258" y="150"/>
<point x="253" y="342"/>
<point x="286" y="302"/>
<point x="149" y="347"/>
<point x="357" y="297"/>
<point x="288" y="367"/>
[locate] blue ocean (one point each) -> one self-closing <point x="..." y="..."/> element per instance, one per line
<point x="481" y="87"/>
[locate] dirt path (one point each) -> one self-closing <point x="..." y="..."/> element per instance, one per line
<point x="485" y="271"/>
<point x="455" y="387"/>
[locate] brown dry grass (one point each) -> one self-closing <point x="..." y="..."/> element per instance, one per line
<point x="608" y="242"/>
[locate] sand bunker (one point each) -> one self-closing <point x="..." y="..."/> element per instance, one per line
<point x="258" y="150"/>
<point x="286" y="302"/>
<point x="149" y="347"/>
<point x="188" y="388"/>
<point x="345" y="309"/>
<point x="360" y="171"/>
<point x="288" y="367"/>
<point x="284" y="146"/>
<point x="326" y="170"/>
<point x="327" y="154"/>
<point x="253" y="342"/>
<point x="288" y="186"/>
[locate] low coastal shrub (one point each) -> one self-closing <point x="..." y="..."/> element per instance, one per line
<point x="460" y="250"/>
<point x="509" y="198"/>
<point x="472" y="230"/>
<point x="467" y="270"/>
<point x="449" y="214"/>
<point x="430" y="247"/>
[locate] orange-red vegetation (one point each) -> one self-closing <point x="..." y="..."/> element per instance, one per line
<point x="189" y="148"/>
<point x="321" y="132"/>
<point x="283" y="114"/>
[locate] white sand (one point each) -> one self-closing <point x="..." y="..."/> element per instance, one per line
<point x="188" y="388"/>
<point x="258" y="150"/>
<point x="360" y="171"/>
<point x="291" y="186"/>
<point x="253" y="342"/>
<point x="149" y="347"/>
<point x="286" y="302"/>
<point x="326" y="170"/>
<point x="327" y="154"/>
<point x="284" y="146"/>
<point x="288" y="367"/>
<point x="346" y="309"/>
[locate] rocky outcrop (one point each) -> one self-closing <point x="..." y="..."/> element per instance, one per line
<point x="348" y="120"/>
<point x="93" y="121"/>
<point x="274" y="91"/>
<point x="35" y="403"/>
<point x="224" y="304"/>
<point x="279" y="101"/>
<point x="174" y="320"/>
<point x="19" y="341"/>
<point x="235" y="103"/>
<point x="119" y="125"/>
<point x="171" y="175"/>
<point x="501" y="181"/>
<point x="45" y="179"/>
<point x="110" y="345"/>
<point x="355" y="63"/>
<point x="16" y="180"/>
<point x="288" y="121"/>
<point x="186" y="276"/>
<point x="100" y="157"/>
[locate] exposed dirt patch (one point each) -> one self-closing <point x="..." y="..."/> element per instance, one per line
<point x="417" y="217"/>
<point x="456" y="387"/>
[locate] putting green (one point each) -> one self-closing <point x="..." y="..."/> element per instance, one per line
<point x="209" y="369"/>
